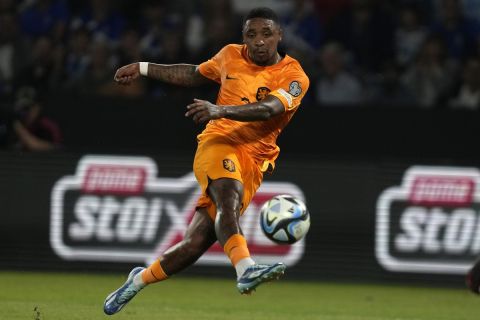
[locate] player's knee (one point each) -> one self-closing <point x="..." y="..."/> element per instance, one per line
<point x="227" y="194"/>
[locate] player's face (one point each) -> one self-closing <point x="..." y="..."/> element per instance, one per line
<point x="262" y="37"/>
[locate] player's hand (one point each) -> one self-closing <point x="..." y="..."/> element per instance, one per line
<point x="126" y="74"/>
<point x="203" y="111"/>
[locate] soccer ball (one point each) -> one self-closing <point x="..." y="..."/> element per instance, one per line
<point x="284" y="219"/>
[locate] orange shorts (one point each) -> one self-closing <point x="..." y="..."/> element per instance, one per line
<point x="216" y="159"/>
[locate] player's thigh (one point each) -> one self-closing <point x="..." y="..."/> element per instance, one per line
<point x="252" y="177"/>
<point x="237" y="192"/>
<point x="214" y="161"/>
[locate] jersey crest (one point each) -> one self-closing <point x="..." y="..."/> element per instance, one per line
<point x="262" y="92"/>
<point x="229" y="165"/>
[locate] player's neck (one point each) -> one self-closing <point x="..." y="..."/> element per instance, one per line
<point x="278" y="58"/>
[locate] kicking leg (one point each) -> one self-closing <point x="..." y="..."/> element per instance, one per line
<point x="227" y="194"/>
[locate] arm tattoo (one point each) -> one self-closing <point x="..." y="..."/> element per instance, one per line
<point x="178" y="74"/>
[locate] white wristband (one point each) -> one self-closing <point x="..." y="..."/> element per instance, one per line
<point x="144" y="68"/>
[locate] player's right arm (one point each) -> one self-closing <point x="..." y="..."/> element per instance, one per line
<point x="178" y="74"/>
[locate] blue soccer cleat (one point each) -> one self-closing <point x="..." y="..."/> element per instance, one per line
<point x="120" y="297"/>
<point x="258" y="274"/>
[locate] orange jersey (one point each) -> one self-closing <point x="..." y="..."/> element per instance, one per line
<point x="242" y="81"/>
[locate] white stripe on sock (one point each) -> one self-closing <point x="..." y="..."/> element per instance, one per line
<point x="242" y="265"/>
<point x="138" y="281"/>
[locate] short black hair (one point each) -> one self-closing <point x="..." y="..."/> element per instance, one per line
<point x="262" y="12"/>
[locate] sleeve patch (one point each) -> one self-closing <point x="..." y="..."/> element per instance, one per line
<point x="295" y="89"/>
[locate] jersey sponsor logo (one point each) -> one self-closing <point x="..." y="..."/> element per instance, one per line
<point x="117" y="209"/>
<point x="294" y="88"/>
<point x="431" y="222"/>
<point x="229" y="165"/>
<point x="262" y="92"/>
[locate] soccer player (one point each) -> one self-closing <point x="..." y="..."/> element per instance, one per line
<point x="260" y="90"/>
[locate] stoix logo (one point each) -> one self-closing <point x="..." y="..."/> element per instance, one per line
<point x="117" y="209"/>
<point x="431" y="223"/>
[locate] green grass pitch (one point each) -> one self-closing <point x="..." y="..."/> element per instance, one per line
<point x="52" y="296"/>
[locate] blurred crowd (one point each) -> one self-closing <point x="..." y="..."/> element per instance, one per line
<point x="398" y="53"/>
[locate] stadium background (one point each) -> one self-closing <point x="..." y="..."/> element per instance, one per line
<point x="401" y="103"/>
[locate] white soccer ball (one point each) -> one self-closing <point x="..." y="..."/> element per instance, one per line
<point x="284" y="219"/>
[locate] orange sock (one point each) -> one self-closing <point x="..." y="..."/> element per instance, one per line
<point x="236" y="248"/>
<point x="154" y="273"/>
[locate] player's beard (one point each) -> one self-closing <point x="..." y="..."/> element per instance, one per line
<point x="261" y="57"/>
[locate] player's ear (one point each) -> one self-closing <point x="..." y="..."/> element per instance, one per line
<point x="244" y="28"/>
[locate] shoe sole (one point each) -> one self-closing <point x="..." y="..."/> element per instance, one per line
<point x="130" y="276"/>
<point x="273" y="274"/>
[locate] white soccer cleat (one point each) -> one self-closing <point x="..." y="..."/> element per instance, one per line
<point x="258" y="274"/>
<point x="120" y="297"/>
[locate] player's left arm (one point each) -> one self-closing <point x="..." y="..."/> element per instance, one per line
<point x="203" y="111"/>
<point x="285" y="98"/>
